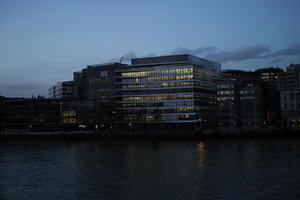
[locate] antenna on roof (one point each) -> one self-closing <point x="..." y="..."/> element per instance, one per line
<point x="121" y="59"/>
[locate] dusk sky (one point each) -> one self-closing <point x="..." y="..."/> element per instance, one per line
<point x="43" y="42"/>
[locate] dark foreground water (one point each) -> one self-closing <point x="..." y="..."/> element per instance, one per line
<point x="228" y="169"/>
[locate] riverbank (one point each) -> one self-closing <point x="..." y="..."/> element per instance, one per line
<point x="265" y="133"/>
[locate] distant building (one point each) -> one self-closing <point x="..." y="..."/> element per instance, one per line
<point x="271" y="95"/>
<point x="290" y="96"/>
<point x="36" y="114"/>
<point x="290" y="79"/>
<point x="61" y="90"/>
<point x="167" y="90"/>
<point x="240" y="98"/>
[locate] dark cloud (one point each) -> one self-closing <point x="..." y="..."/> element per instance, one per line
<point x="245" y="53"/>
<point x="212" y="53"/>
<point x="277" y="60"/>
<point x="197" y="51"/>
<point x="293" y="49"/>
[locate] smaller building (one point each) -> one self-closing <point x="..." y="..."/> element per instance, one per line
<point x="240" y="98"/>
<point x="61" y="90"/>
<point x="271" y="95"/>
<point x="290" y="79"/>
<point x="290" y="96"/>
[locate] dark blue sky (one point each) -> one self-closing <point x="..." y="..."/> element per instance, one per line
<point x="42" y="42"/>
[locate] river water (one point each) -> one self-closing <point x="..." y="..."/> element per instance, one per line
<point x="223" y="169"/>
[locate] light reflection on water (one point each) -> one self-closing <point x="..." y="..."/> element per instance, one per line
<point x="200" y="152"/>
<point x="234" y="169"/>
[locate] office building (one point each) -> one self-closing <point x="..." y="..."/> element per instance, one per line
<point x="87" y="100"/>
<point x="271" y="95"/>
<point x="240" y="98"/>
<point x="290" y="96"/>
<point x="61" y="90"/>
<point x="95" y="82"/>
<point x="167" y="90"/>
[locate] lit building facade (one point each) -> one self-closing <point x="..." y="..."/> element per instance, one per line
<point x="176" y="89"/>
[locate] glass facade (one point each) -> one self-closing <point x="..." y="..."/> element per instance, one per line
<point x="165" y="93"/>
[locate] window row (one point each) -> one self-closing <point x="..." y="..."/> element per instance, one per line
<point x="167" y="97"/>
<point x="157" y="72"/>
<point x="166" y="84"/>
<point x="159" y="118"/>
<point x="159" y="111"/>
<point x="166" y="78"/>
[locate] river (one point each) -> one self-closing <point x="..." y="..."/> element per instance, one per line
<point x="210" y="169"/>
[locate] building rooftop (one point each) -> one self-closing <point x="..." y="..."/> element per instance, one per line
<point x="175" y="59"/>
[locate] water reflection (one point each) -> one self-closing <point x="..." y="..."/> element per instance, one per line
<point x="200" y="155"/>
<point x="131" y="147"/>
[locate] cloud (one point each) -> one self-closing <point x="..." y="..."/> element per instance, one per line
<point x="277" y="60"/>
<point x="197" y="51"/>
<point x="244" y="53"/>
<point x="212" y="53"/>
<point x="293" y="49"/>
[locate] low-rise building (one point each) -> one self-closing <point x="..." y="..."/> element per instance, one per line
<point x="35" y="114"/>
<point x="85" y="115"/>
